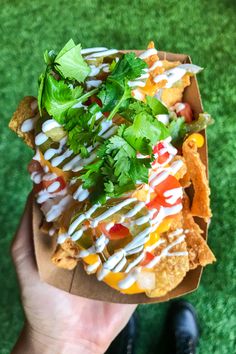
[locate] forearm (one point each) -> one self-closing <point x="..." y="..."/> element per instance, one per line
<point x="32" y="343"/>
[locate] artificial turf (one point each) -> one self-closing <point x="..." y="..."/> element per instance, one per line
<point x="203" y="29"/>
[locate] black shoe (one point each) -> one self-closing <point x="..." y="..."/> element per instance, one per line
<point x="182" y="331"/>
<point x="124" y="342"/>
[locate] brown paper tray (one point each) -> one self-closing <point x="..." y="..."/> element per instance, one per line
<point x="77" y="282"/>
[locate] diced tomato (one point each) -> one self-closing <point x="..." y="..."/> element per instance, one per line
<point x="160" y="200"/>
<point x="161" y="158"/>
<point x="186" y="112"/>
<point x="106" y="114"/>
<point x="118" y="231"/>
<point x="155" y="203"/>
<point x="169" y="183"/>
<point x="148" y="257"/>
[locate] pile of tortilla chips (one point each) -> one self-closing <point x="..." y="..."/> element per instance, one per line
<point x="169" y="271"/>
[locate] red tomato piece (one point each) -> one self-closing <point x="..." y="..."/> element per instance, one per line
<point x="185" y="112"/>
<point x="118" y="231"/>
<point x="161" y="158"/>
<point x="155" y="204"/>
<point x="148" y="257"/>
<point x="169" y="183"/>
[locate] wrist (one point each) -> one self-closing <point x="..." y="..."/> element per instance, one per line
<point x="31" y="342"/>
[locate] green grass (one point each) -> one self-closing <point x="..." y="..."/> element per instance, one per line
<point x="203" y="29"/>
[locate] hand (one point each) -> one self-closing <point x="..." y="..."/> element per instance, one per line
<point x="58" y="322"/>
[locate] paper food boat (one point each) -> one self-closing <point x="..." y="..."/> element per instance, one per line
<point x="76" y="281"/>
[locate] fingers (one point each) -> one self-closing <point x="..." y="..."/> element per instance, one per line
<point x="22" y="249"/>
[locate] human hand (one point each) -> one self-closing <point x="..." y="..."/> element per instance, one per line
<point x="58" y="322"/>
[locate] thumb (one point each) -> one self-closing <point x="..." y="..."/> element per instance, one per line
<point x="22" y="249"/>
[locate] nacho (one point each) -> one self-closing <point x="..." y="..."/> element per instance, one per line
<point x="171" y="269"/>
<point x="199" y="252"/>
<point x="108" y="174"/>
<point x="25" y="110"/>
<point x="201" y="202"/>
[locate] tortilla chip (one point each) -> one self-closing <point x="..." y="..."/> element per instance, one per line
<point x="23" y="112"/>
<point x="167" y="65"/>
<point x="170" y="271"/>
<point x="198" y="250"/>
<point x="197" y="171"/>
<point x="62" y="259"/>
<point x="172" y="95"/>
<point x="70" y="247"/>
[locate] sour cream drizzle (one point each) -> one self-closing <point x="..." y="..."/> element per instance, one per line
<point x="99" y="54"/>
<point x="29" y="124"/>
<point x="49" y="125"/>
<point x="40" y="139"/>
<point x="148" y="53"/>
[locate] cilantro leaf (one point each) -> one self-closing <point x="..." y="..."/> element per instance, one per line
<point x="40" y="91"/>
<point x="177" y="129"/>
<point x="129" y="66"/>
<point x="81" y="131"/>
<point x="116" y="91"/>
<point x="139" y="170"/>
<point x="109" y="187"/>
<point x="70" y="63"/>
<point x="145" y="128"/>
<point x="91" y="177"/>
<point x="156" y="106"/>
<point x="58" y="97"/>
<point x="68" y="46"/>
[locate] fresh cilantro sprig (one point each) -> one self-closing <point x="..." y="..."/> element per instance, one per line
<point x="83" y="130"/>
<point x="118" y="169"/>
<point x="116" y="92"/>
<point x="70" y="63"/>
<point x="58" y="85"/>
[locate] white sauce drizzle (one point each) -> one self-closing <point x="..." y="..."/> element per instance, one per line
<point x="29" y="124"/>
<point x="130" y="279"/>
<point x="157" y="63"/>
<point x="92" y="50"/>
<point x="56" y="210"/>
<point x="163" y="213"/>
<point x="165" y="252"/>
<point x="163" y="118"/>
<point x="148" y="53"/>
<point x="49" y="125"/>
<point x="51" y="152"/>
<point x="104" y="53"/>
<point x="81" y="218"/>
<point x="53" y="187"/>
<point x="173" y="195"/>
<point x="62" y="237"/>
<point x="59" y="159"/>
<point x="91" y="268"/>
<point x="36" y="177"/>
<point x="179" y="107"/>
<point x="40" y="139"/>
<point x="136" y="83"/>
<point x="93" y="83"/>
<point x="81" y="194"/>
<point x="112" y="211"/>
